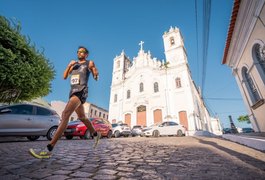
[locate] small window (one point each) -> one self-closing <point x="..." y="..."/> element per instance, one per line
<point x="95" y="112"/>
<point x="156" y="87"/>
<point x="178" y="82"/>
<point x="128" y="94"/>
<point x="43" y="111"/>
<point x="172" y="41"/>
<point x="141" y="88"/>
<point x="99" y="114"/>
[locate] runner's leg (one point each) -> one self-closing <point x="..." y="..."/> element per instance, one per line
<point x="81" y="115"/>
<point x="72" y="104"/>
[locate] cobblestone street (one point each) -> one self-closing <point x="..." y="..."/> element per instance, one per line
<point x="134" y="158"/>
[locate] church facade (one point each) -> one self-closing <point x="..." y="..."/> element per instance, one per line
<point x="147" y="91"/>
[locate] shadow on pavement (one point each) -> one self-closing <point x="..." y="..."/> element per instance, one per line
<point x="243" y="157"/>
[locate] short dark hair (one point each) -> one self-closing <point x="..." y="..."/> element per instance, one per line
<point x="87" y="51"/>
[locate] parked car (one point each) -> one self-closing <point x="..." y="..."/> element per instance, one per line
<point x="121" y="129"/>
<point x="29" y="120"/>
<point x="78" y="128"/>
<point x="227" y="131"/>
<point x="165" y="129"/>
<point x="137" y="130"/>
<point x="247" y="130"/>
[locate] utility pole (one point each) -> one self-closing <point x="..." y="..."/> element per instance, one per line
<point x="233" y="127"/>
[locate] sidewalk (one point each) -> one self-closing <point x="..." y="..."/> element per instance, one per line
<point x="254" y="140"/>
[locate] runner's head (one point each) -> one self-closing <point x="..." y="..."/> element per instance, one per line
<point x="82" y="52"/>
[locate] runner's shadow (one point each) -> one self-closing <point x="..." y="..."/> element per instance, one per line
<point x="243" y="157"/>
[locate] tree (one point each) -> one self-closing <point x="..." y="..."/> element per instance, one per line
<point x="25" y="73"/>
<point x="244" y="119"/>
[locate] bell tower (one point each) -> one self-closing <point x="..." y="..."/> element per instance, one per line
<point x="174" y="47"/>
<point x="120" y="67"/>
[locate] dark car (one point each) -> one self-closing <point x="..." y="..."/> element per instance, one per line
<point x="227" y="131"/>
<point x="247" y="130"/>
<point x="29" y="120"/>
<point x="78" y="128"/>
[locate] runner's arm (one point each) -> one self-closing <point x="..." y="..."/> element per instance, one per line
<point x="94" y="70"/>
<point x="68" y="69"/>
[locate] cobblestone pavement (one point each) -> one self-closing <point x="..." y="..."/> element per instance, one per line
<point x="134" y="158"/>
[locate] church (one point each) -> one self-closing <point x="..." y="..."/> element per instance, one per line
<point x="148" y="91"/>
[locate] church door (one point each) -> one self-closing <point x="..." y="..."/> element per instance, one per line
<point x="128" y="119"/>
<point x="183" y="119"/>
<point x="141" y="115"/>
<point x="157" y="116"/>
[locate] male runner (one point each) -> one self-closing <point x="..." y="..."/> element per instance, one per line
<point x="79" y="71"/>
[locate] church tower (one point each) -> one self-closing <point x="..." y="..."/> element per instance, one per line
<point x="174" y="47"/>
<point x="120" y="67"/>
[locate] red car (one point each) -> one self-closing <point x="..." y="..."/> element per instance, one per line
<point x="78" y="128"/>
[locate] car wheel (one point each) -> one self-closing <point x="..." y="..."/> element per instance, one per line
<point x="116" y="134"/>
<point x="51" y="133"/>
<point x="87" y="135"/>
<point x="179" y="133"/>
<point x="155" y="133"/>
<point x="69" y="137"/>
<point x="109" y="134"/>
<point x="33" y="138"/>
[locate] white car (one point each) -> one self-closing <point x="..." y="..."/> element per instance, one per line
<point x="120" y="129"/>
<point x="166" y="128"/>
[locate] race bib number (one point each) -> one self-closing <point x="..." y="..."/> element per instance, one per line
<point x="75" y="79"/>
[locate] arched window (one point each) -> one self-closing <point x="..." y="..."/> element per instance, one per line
<point x="156" y="89"/>
<point x="172" y="41"/>
<point x="115" y="98"/>
<point x="128" y="94"/>
<point x="141" y="88"/>
<point x="251" y="87"/>
<point x="259" y="54"/>
<point x="178" y="82"/>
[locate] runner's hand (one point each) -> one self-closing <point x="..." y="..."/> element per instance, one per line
<point x="73" y="62"/>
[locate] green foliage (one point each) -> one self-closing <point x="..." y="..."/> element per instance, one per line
<point x="244" y="119"/>
<point x="25" y="73"/>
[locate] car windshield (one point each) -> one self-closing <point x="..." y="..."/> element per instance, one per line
<point x="124" y="124"/>
<point x="114" y="125"/>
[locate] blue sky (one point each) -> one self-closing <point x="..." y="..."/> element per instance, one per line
<point x="106" y="27"/>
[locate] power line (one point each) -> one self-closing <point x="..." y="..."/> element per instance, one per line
<point x="197" y="49"/>
<point x="225" y="99"/>
<point x="206" y="28"/>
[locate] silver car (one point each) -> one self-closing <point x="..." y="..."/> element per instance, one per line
<point x="31" y="121"/>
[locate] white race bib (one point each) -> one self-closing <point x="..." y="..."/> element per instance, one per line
<point x="75" y="79"/>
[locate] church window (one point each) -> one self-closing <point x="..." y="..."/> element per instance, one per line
<point x="141" y="87"/>
<point x="251" y="87"/>
<point x="259" y="56"/>
<point x="115" y="98"/>
<point x="178" y="82"/>
<point x="128" y="94"/>
<point x="156" y="89"/>
<point x="172" y="41"/>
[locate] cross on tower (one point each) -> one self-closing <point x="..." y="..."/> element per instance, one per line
<point x="141" y="44"/>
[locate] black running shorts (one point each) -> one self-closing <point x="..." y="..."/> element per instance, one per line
<point x="82" y="95"/>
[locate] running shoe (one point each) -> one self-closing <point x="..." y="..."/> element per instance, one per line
<point x="97" y="138"/>
<point x="42" y="154"/>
